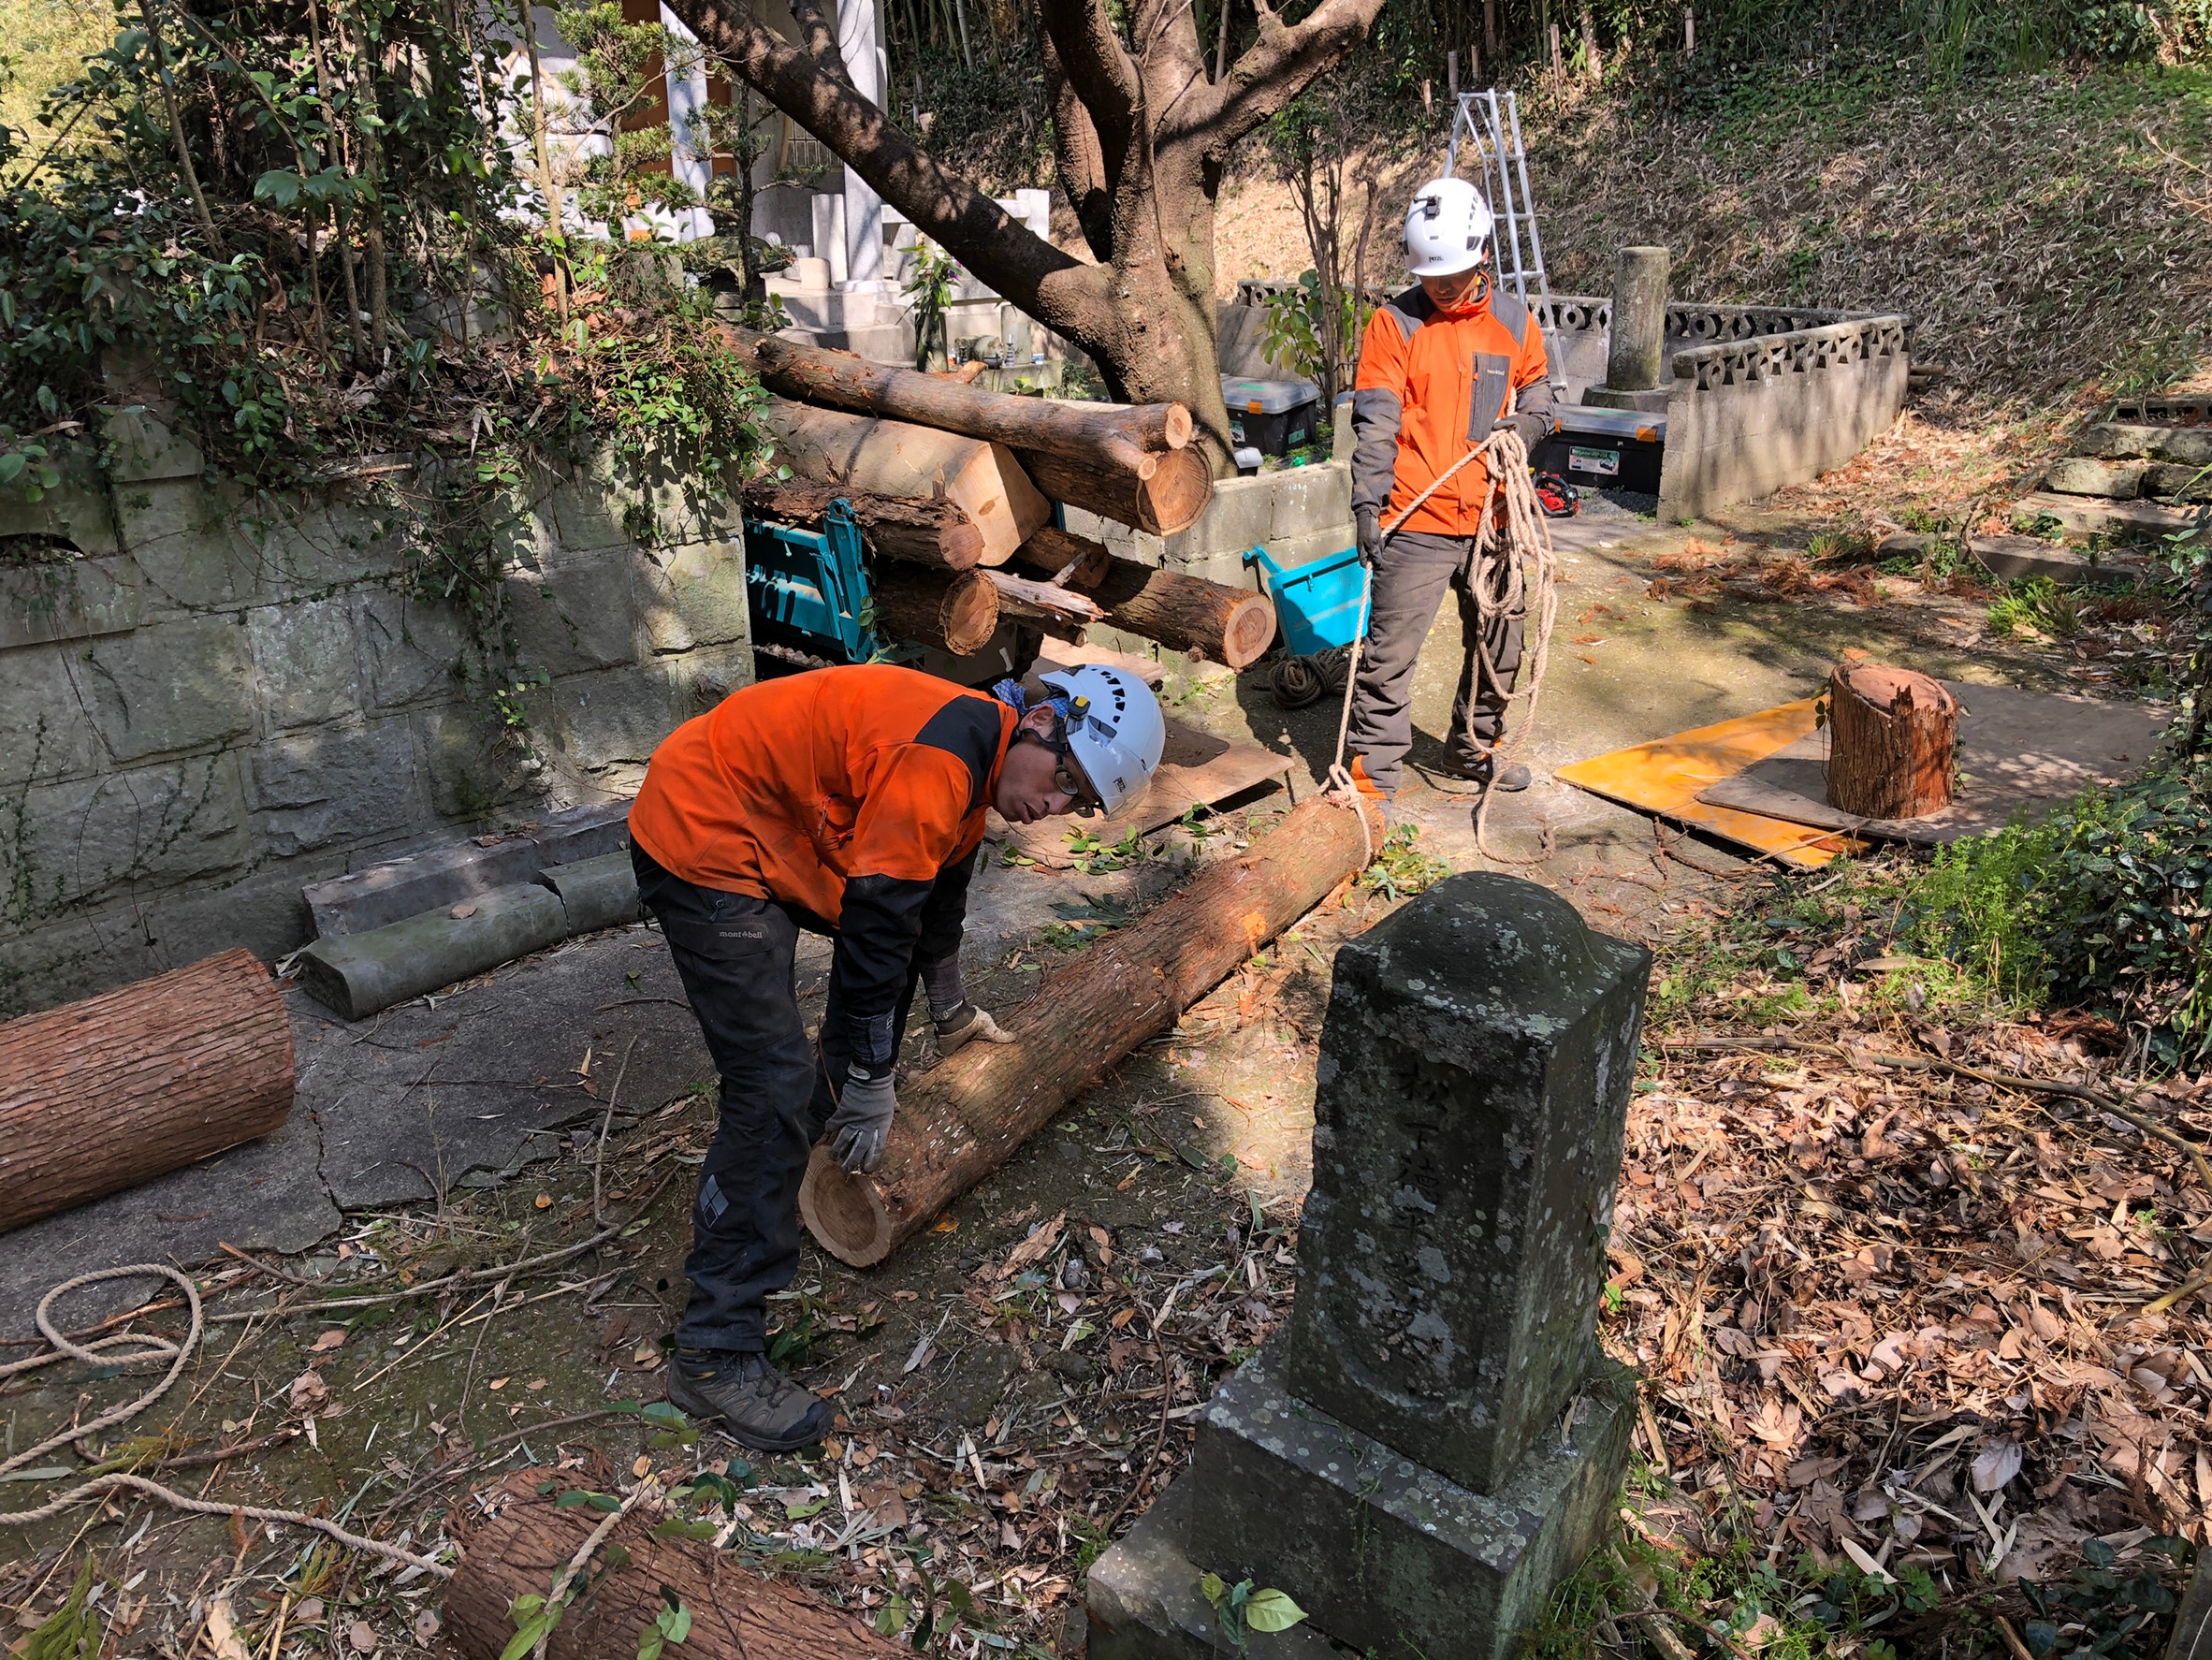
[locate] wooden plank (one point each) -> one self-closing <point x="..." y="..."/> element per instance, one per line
<point x="1196" y="769"/>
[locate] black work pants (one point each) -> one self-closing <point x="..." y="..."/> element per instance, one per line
<point x="735" y="954"/>
<point x="1411" y="573"/>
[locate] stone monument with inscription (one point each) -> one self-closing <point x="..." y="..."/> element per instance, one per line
<point x="1433" y="1441"/>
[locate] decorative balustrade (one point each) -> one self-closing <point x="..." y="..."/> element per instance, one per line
<point x="1800" y="351"/>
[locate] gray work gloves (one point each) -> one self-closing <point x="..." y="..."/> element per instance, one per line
<point x="1369" y="519"/>
<point x="964" y="1024"/>
<point x="860" y="1126"/>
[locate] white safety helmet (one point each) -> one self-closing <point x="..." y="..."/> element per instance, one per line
<point x="1446" y="229"/>
<point x="1115" y="732"/>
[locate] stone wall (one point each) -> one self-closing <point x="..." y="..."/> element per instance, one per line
<point x="218" y="701"/>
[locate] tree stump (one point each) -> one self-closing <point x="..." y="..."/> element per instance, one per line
<point x="104" y="1094"/>
<point x="1892" y="734"/>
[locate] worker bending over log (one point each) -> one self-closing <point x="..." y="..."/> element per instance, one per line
<point x="847" y="802"/>
<point x="1441" y="365"/>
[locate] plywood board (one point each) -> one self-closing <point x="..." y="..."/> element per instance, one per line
<point x="1196" y="769"/>
<point x="1665" y="776"/>
<point x="2019" y="754"/>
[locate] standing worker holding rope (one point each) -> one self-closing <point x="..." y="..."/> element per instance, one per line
<point x="1453" y="393"/>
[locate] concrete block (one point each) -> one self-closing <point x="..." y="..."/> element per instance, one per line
<point x="77" y="513"/>
<point x="1142" y="1599"/>
<point x="338" y="543"/>
<point x="178" y="684"/>
<point x="1386" y="1555"/>
<point x="471" y="766"/>
<point x="193" y="548"/>
<point x="2192" y="444"/>
<point x="1473" y="1085"/>
<point x="611" y="717"/>
<point x="2011" y="559"/>
<point x="303" y="662"/>
<point x="700" y="679"/>
<point x="86" y="839"/>
<point x="359" y="974"/>
<point x="77" y="600"/>
<point x="324" y="789"/>
<point x="2119" y="440"/>
<point x="593" y="508"/>
<point x="2179" y="481"/>
<point x="1292" y="551"/>
<point x="146" y="450"/>
<point x="596" y="893"/>
<point x="1242" y="513"/>
<point x="1307" y="501"/>
<point x="2084" y="476"/>
<point x="47" y="736"/>
<point x="410" y="650"/>
<point x="574" y="614"/>
<point x="691" y="596"/>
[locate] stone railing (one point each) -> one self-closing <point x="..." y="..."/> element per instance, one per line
<point x="1800" y="351"/>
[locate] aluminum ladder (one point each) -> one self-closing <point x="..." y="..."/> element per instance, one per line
<point x="1489" y="123"/>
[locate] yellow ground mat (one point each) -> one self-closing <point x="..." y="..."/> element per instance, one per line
<point x="1665" y="777"/>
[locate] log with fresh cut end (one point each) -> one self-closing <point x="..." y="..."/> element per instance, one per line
<point x="517" y="1541"/>
<point x="896" y="458"/>
<point x="956" y="611"/>
<point x="1057" y="611"/>
<point x="1227" y="625"/>
<point x="968" y="1115"/>
<point x="1118" y="436"/>
<point x="103" y="1094"/>
<point x="911" y="528"/>
<point x="1892" y="736"/>
<point x="1166" y="499"/>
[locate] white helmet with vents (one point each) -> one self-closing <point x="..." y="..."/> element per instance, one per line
<point x="1115" y="731"/>
<point x="1446" y="229"/>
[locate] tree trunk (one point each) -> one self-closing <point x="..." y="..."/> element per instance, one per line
<point x="1097" y="435"/>
<point x="1055" y="610"/>
<point x="1167" y="499"/>
<point x="966" y="1117"/>
<point x="956" y="613"/>
<point x="1227" y="625"/>
<point x="896" y="458"/>
<point x="906" y="528"/>
<point x="1892" y="734"/>
<point x="528" y="1538"/>
<point x="104" y="1094"/>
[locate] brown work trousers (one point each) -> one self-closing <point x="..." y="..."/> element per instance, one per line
<point x="1411" y="573"/>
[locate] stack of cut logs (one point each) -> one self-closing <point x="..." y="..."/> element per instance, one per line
<point x="952" y="486"/>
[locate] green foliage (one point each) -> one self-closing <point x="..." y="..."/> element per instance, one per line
<point x="618" y="74"/>
<point x="2035" y="604"/>
<point x="671" y="1624"/>
<point x="1401" y="869"/>
<point x="929" y="289"/>
<point x="1239" y="1610"/>
<point x="72" y="1631"/>
<point x="2098" y="1611"/>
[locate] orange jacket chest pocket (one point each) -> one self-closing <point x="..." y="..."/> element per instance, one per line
<point x="835" y="819"/>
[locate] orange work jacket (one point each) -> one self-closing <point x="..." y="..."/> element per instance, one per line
<point x="1432" y="383"/>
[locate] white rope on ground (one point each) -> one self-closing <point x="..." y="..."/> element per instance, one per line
<point x="1525" y="568"/>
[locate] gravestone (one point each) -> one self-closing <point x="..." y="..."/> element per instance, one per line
<point x="1637" y="341"/>
<point x="1433" y="1441"/>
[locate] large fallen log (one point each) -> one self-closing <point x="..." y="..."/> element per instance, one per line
<point x="1109" y="435"/>
<point x="897" y="458"/>
<point x="956" y="612"/>
<point x="104" y="1094"/>
<point x="1230" y="625"/>
<point x="909" y="528"/>
<point x="518" y="1539"/>
<point x="966" y="1117"/>
<point x="1168" y="498"/>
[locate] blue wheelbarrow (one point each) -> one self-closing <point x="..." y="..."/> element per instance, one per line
<point x="1320" y="608"/>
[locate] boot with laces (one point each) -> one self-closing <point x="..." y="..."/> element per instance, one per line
<point x="756" y="1406"/>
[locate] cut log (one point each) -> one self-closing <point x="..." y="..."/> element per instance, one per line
<point x="923" y="532"/>
<point x="519" y="1539"/>
<point x="1227" y="625"/>
<point x="1167" y="499"/>
<point x="1892" y="734"/>
<point x="104" y="1094"/>
<point x="956" y="612"/>
<point x="1057" y="611"/>
<point x="1089" y="434"/>
<point x="896" y="458"/>
<point x="966" y="1117"/>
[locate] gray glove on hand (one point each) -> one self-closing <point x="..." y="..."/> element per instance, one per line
<point x="860" y="1126"/>
<point x="968" y="1024"/>
<point x="1369" y="519"/>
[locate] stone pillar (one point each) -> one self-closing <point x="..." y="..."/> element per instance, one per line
<point x="864" y="208"/>
<point x="1434" y="1441"/>
<point x="1636" y="345"/>
<point x="691" y="156"/>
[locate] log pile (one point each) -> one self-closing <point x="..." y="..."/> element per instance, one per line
<point x="1892" y="736"/>
<point x="944" y="477"/>
<point x="966" y="1117"/>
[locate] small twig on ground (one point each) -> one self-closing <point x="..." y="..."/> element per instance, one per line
<point x="273" y="1273"/>
<point x="605" y="1119"/>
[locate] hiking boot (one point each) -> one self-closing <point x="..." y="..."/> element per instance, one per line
<point x="755" y="1404"/>
<point x="1457" y="776"/>
<point x="1508" y="778"/>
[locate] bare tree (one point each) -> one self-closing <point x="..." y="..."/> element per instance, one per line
<point x="1141" y="136"/>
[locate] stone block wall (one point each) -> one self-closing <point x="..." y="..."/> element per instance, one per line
<point x="218" y="702"/>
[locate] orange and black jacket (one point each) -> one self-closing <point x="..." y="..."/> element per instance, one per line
<point x="1432" y="383"/>
<point x="853" y="797"/>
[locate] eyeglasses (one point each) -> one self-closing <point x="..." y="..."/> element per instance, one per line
<point x="1069" y="782"/>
